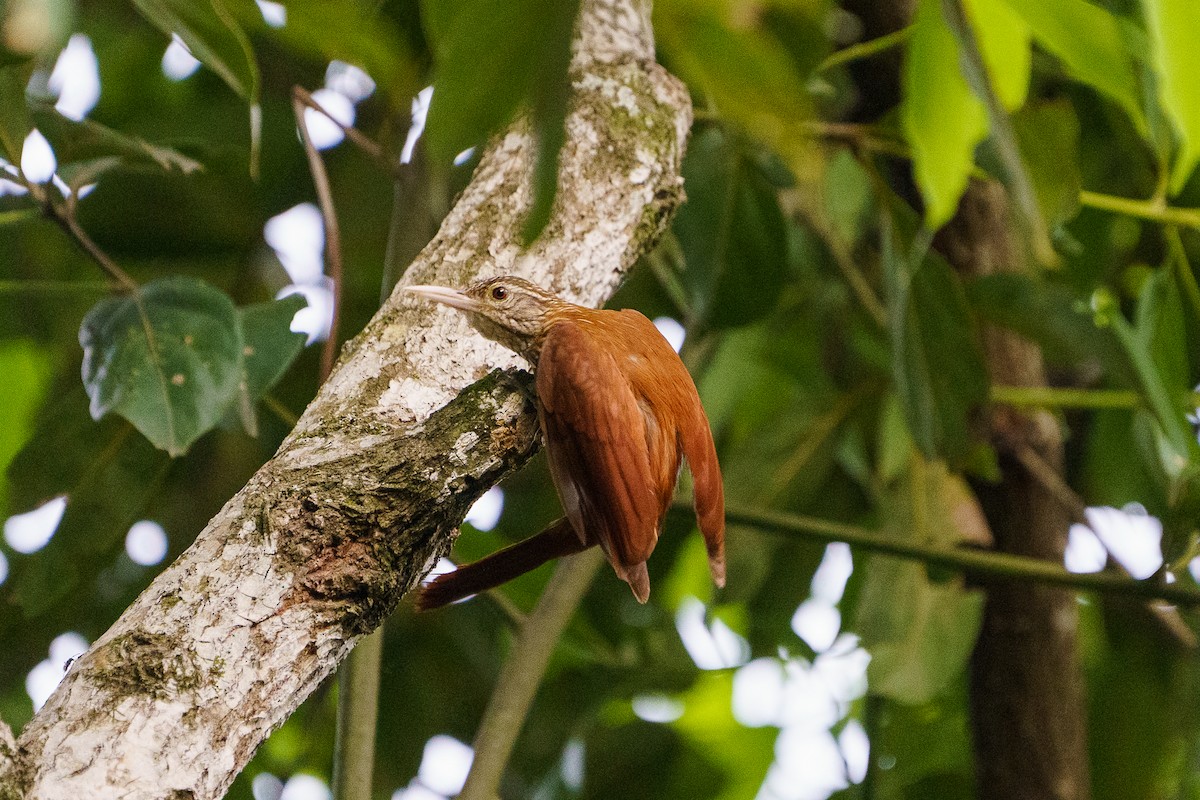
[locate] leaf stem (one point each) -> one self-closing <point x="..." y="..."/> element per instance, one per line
<point x="867" y="49"/>
<point x="333" y="236"/>
<point x="66" y="220"/>
<point x="1153" y="210"/>
<point x="974" y="562"/>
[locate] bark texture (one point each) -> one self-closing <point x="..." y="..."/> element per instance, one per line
<point x="366" y="493"/>
<point x="1027" y="694"/>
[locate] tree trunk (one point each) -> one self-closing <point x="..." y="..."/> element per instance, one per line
<point x="1027" y="696"/>
<point x="366" y="493"/>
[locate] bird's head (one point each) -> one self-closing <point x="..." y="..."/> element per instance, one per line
<point x="509" y="310"/>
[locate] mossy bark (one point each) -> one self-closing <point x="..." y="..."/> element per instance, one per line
<point x="419" y="418"/>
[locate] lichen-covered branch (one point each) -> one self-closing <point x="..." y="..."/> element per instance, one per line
<point x="414" y="424"/>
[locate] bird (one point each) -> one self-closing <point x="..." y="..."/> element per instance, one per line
<point x="619" y="414"/>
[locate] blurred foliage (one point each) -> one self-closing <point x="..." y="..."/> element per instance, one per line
<point x="841" y="360"/>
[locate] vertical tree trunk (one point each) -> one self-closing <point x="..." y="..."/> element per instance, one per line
<point x="1026" y="684"/>
<point x="1027" y="696"/>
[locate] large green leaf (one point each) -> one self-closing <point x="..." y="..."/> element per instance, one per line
<point x="732" y="232"/>
<point x="1004" y="44"/>
<point x="937" y="366"/>
<point x="1173" y="28"/>
<point x="1088" y="41"/>
<point x="942" y="120"/>
<point x="14" y="112"/>
<point x="920" y="634"/>
<point x="269" y="348"/>
<point x="1048" y="135"/>
<point x="214" y="37"/>
<point x="1053" y="316"/>
<point x="168" y="358"/>
<point x="494" y="59"/>
<point x="745" y="71"/>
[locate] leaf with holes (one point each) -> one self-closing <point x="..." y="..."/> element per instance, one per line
<point x="168" y="359"/>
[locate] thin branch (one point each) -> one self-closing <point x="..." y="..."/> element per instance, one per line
<point x="356" y="137"/>
<point x="845" y="263"/>
<point x="867" y="49"/>
<point x="1153" y="210"/>
<point x="358" y="712"/>
<point x="973" y="562"/>
<point x="66" y="220"/>
<point x="333" y="236"/>
<point x="523" y="672"/>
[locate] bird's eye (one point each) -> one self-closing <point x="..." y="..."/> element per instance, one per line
<point x="499" y="293"/>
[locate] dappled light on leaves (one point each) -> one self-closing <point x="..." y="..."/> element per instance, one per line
<point x="146" y="543"/>
<point x="76" y="79"/>
<point x="31" y="531"/>
<point x="178" y="62"/>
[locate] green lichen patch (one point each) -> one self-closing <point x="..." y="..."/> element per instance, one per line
<point x="144" y="663"/>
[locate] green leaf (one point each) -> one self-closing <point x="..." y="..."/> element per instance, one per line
<point x="96" y="145"/>
<point x="920" y="634"/>
<point x="215" y="38"/>
<point x="168" y="359"/>
<point x="15" y="123"/>
<point x="1173" y="26"/>
<point x="1048" y="135"/>
<point x="1006" y="47"/>
<point x="745" y="71"/>
<point x="26" y="369"/>
<point x="937" y="367"/>
<point x="942" y="120"/>
<point x="1088" y="41"/>
<point x="269" y="348"/>
<point x="108" y="474"/>
<point x="1054" y="317"/>
<point x="1176" y="442"/>
<point x="732" y="232"/>
<point x="353" y="31"/>
<point x="495" y="59"/>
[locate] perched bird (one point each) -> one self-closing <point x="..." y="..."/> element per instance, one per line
<point x="618" y="412"/>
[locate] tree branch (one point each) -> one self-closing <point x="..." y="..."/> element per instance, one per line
<point x="367" y="491"/>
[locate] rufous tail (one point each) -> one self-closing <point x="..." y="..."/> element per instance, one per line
<point x="557" y="540"/>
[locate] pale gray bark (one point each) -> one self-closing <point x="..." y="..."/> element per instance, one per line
<point x="367" y="491"/>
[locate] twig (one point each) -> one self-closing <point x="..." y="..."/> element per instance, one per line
<point x="357" y="137"/>
<point x="523" y="672"/>
<point x="974" y="562"/>
<point x="1153" y="210"/>
<point x="867" y="49"/>
<point x="358" y="711"/>
<point x="66" y="221"/>
<point x="333" y="236"/>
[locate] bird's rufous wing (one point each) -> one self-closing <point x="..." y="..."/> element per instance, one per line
<point x="596" y="443"/>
